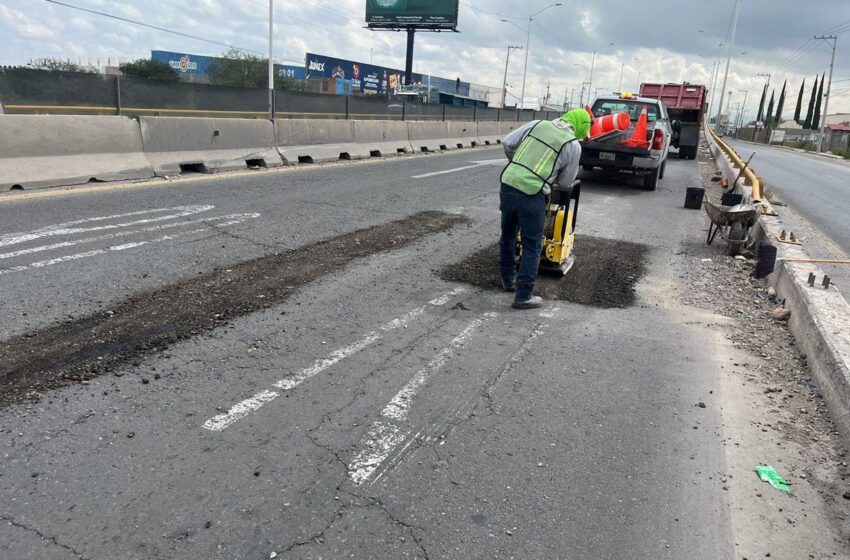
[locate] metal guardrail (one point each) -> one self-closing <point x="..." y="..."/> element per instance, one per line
<point x="750" y="178"/>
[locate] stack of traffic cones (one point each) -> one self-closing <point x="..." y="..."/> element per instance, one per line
<point x="638" y="139"/>
<point x="610" y="123"/>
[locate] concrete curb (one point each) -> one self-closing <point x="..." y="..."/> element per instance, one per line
<point x="41" y="151"/>
<point x="820" y="318"/>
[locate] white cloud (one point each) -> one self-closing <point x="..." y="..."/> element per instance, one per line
<point x="656" y="40"/>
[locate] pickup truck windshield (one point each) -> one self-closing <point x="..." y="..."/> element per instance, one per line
<point x="604" y="107"/>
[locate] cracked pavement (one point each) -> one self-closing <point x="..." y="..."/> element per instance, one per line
<point x="569" y="432"/>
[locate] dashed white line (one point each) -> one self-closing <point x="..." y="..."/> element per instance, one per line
<point x="321" y="365"/>
<point x="65" y="229"/>
<point x="232" y="219"/>
<point x="241" y="410"/>
<point x="385" y="435"/>
<point x="224" y="421"/>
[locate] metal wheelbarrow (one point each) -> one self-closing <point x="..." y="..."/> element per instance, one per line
<point x="733" y="223"/>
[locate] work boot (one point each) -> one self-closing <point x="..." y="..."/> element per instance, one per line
<point x="534" y="302"/>
<point x="509" y="287"/>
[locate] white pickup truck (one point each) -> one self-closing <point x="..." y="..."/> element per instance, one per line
<point x="609" y="154"/>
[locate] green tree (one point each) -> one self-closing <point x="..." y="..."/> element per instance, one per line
<point x="149" y="69"/>
<point x="238" y="68"/>
<point x="816" y="117"/>
<point x="799" y="103"/>
<point x="761" y="104"/>
<point x="777" y="119"/>
<point x="811" y="112"/>
<point x="56" y="65"/>
<point x="769" y="115"/>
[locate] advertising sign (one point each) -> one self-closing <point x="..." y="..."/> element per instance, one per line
<point x="184" y="63"/>
<point x="364" y="78"/>
<point x="412" y="13"/>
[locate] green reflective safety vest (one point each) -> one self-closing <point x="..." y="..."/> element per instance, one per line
<point x="534" y="161"/>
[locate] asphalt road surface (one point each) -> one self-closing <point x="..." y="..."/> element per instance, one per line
<point x="370" y="409"/>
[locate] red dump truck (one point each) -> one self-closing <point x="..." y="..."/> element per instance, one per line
<point x="686" y="106"/>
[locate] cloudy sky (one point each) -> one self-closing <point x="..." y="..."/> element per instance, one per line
<point x="654" y="40"/>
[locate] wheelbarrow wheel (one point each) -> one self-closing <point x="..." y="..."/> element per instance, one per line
<point x="737" y="234"/>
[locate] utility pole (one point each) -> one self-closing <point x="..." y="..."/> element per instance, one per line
<point x="592" y="65"/>
<point x="730" y="46"/>
<point x="271" y="59"/>
<point x="743" y="106"/>
<point x="528" y="48"/>
<point x="505" y="83"/>
<point x="834" y="39"/>
<point x="566" y="92"/>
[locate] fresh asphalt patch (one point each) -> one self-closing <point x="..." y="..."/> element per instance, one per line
<point x="604" y="275"/>
<point x="78" y="350"/>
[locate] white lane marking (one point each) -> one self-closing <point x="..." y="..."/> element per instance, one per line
<point x="112" y="249"/>
<point x="240" y="410"/>
<point x="382" y="438"/>
<point x="474" y="165"/>
<point x="444" y="299"/>
<point x="65" y="229"/>
<point x="321" y="365"/>
<point x="225" y="420"/>
<point x="118" y="234"/>
<point x="385" y="435"/>
<point x="399" y="407"/>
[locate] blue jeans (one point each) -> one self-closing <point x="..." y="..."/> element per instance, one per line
<point x="528" y="215"/>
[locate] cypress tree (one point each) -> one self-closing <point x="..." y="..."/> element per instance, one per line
<point x="808" y="122"/>
<point x="778" y="118"/>
<point x="816" y="118"/>
<point x="769" y="115"/>
<point x="761" y="104"/>
<point x="799" y="103"/>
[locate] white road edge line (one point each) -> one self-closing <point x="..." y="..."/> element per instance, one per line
<point x="223" y="421"/>
<point x="385" y="435"/>
<point x="464" y="168"/>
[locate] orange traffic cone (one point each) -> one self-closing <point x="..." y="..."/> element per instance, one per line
<point x="638" y="139"/>
<point x="610" y="123"/>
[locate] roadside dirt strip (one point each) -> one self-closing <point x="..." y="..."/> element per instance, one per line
<point x="78" y="350"/>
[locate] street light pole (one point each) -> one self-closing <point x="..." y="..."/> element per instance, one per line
<point x="622" y="68"/>
<point x="528" y="49"/>
<point x="730" y="46"/>
<point x="505" y="83"/>
<point x="592" y="64"/>
<point x="271" y="59"/>
<point x="834" y="40"/>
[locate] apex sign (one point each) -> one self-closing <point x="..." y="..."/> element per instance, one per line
<point x="316" y="66"/>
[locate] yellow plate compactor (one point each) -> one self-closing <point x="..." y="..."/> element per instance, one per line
<point x="559" y="232"/>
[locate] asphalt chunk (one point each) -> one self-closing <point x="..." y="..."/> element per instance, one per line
<point x="604" y="275"/>
<point x="78" y="350"/>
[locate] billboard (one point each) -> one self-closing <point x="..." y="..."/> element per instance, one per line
<point x="184" y="63"/>
<point x="364" y="78"/>
<point x="428" y="14"/>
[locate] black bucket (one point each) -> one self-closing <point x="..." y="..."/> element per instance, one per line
<point x="731" y="199"/>
<point x="693" y="197"/>
<point x="766" y="260"/>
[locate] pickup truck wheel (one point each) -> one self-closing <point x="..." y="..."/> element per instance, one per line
<point x="650" y="182"/>
<point x="587" y="167"/>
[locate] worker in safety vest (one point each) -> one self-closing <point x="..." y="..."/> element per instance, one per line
<point x="542" y="154"/>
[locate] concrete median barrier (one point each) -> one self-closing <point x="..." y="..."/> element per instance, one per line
<point x="52" y="151"/>
<point x="382" y="138"/>
<point x="430" y="136"/>
<point x="508" y="127"/>
<point x="489" y="133"/>
<point x="177" y="144"/>
<point x="317" y="141"/>
<point x="463" y="134"/>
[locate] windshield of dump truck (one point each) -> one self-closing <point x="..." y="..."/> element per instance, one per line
<point x="604" y="107"/>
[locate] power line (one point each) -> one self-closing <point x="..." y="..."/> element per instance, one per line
<point x="149" y="26"/>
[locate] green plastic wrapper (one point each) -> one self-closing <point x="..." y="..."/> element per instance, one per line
<point x="769" y="474"/>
